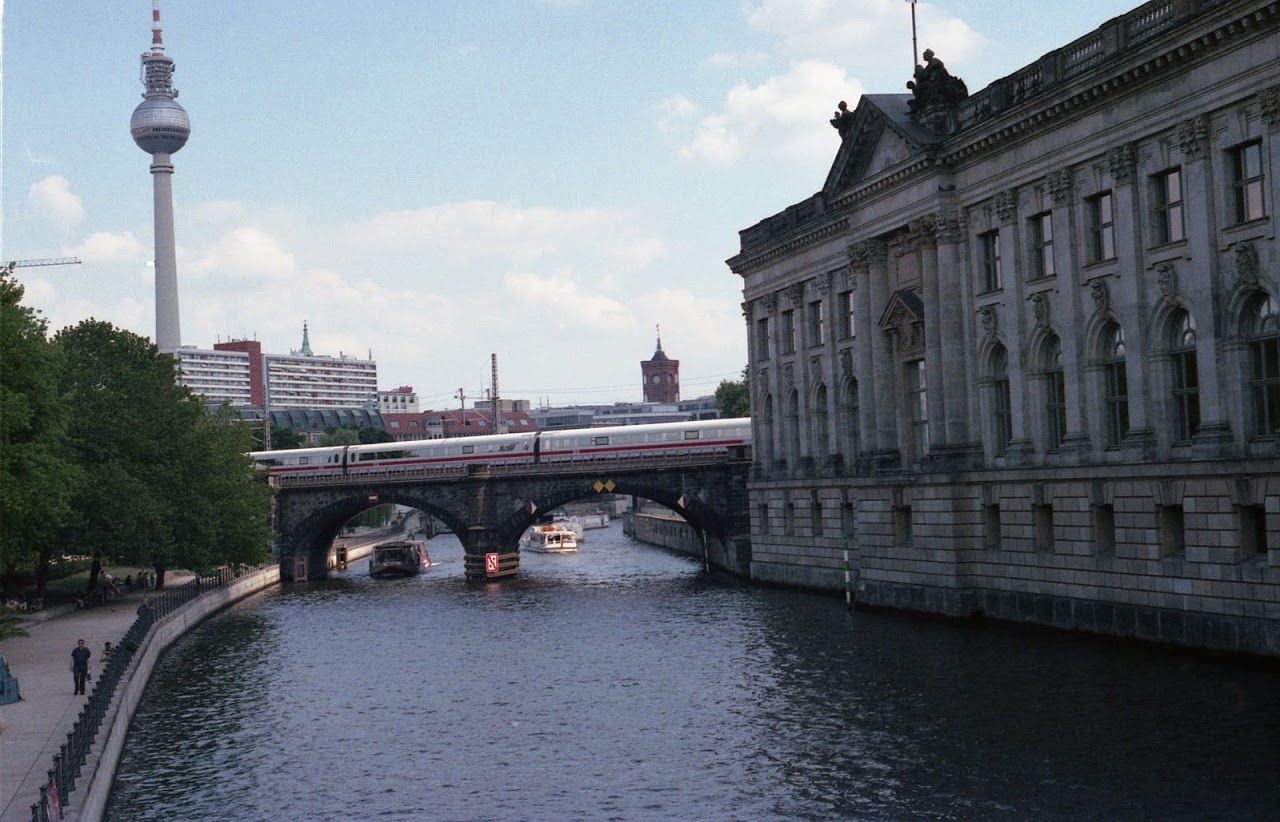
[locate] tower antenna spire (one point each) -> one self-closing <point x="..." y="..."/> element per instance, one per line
<point x="157" y="44"/>
<point x="160" y="127"/>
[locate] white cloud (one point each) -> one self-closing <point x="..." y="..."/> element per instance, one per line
<point x="559" y="300"/>
<point x="457" y="233"/>
<point x="105" y="247"/>
<point x="781" y="117"/>
<point x="246" y="252"/>
<point x="860" y="32"/>
<point x="675" y="111"/>
<point x="52" y="199"/>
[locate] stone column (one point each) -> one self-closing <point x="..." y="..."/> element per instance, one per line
<point x="876" y="407"/>
<point x="954" y="346"/>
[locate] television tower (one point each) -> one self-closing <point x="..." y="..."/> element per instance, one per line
<point x="160" y="127"/>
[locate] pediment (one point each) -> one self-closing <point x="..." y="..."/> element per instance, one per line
<point x="903" y="320"/>
<point x="882" y="136"/>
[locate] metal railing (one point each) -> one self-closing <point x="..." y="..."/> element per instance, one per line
<point x="71" y="756"/>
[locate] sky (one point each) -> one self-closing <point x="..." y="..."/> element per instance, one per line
<point x="433" y="182"/>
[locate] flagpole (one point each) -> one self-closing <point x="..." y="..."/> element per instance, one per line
<point x="915" y="49"/>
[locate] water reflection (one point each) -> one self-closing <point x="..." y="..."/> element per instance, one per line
<point x="623" y="683"/>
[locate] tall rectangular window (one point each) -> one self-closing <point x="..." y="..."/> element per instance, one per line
<point x="762" y="339"/>
<point x="1172" y="530"/>
<point x="1042" y="522"/>
<point x="1055" y="394"/>
<point x="1104" y="528"/>
<point x="989" y="248"/>
<point x="1102" y="228"/>
<point x="1186" y="379"/>
<point x="1253" y="530"/>
<point x="991" y="526"/>
<point x="919" y="401"/>
<point x="1042" y="246"/>
<point x="1247" y="182"/>
<point x="1115" y="388"/>
<point x="1168" y="206"/>
<point x="787" y="334"/>
<point x="902" y="525"/>
<point x="817" y="322"/>
<point x="848" y="325"/>
<point x="1000" y="400"/>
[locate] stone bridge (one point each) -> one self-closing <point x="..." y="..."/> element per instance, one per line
<point x="488" y="509"/>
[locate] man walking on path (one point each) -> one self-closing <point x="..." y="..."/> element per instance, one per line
<point x="80" y="666"/>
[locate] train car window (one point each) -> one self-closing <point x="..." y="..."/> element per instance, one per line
<point x="692" y="435"/>
<point x="510" y="446"/>
<point x="304" y="460"/>
<point x="600" y="441"/>
<point x="468" y="449"/>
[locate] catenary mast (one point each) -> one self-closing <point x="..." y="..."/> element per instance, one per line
<point x="160" y="127"/>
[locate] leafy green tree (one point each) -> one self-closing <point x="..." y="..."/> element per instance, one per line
<point x="340" y="436"/>
<point x="282" y="438"/>
<point x="166" y="484"/>
<point x="733" y="397"/>
<point x="370" y="436"/>
<point x="36" y="478"/>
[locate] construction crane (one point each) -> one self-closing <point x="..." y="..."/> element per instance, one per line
<point x="7" y="268"/>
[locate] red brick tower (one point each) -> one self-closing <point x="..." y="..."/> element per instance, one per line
<point x="661" y="376"/>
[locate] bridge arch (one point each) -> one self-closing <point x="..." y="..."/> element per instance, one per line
<point x="489" y="512"/>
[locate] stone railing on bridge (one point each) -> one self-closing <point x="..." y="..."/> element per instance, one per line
<point x="480" y="470"/>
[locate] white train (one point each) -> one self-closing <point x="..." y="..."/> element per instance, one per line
<point x="728" y="437"/>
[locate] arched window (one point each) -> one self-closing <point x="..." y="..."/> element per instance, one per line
<point x="821" y="437"/>
<point x="1001" y="407"/>
<point x="1264" y="345"/>
<point x="850" y="425"/>
<point x="1115" y="385"/>
<point x="791" y="429"/>
<point x="763" y="443"/>
<point x="1186" y="377"/>
<point x="1055" y="391"/>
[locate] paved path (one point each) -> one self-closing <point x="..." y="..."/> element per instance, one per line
<point x="32" y="731"/>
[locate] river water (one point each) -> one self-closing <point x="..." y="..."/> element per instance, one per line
<point x="624" y="683"/>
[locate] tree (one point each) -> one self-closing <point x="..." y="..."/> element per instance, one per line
<point x="36" y="478"/>
<point x="370" y="436"/>
<point x="340" y="436"/>
<point x="733" y="397"/>
<point x="282" y="438"/>
<point x="167" y="485"/>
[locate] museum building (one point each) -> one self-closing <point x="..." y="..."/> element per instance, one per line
<point x="1020" y="356"/>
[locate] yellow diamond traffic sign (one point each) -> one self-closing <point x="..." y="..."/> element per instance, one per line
<point x="607" y="485"/>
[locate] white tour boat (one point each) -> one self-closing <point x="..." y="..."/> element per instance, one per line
<point x="550" y="539"/>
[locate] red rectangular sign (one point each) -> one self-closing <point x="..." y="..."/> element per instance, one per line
<point x="491" y="563"/>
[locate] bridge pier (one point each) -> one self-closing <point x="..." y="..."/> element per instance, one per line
<point x="486" y="558"/>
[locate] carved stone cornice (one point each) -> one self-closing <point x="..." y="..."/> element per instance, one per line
<point x="1269" y="102"/>
<point x="922" y="230"/>
<point x="1040" y="309"/>
<point x="1061" y="186"/>
<point x="989" y="320"/>
<point x="1101" y="295"/>
<point x="815" y="371"/>
<point x="1123" y="163"/>
<point x="1246" y="265"/>
<point x="1007" y="205"/>
<point x="1167" y="278"/>
<point x="1193" y="137"/>
<point x="949" y="225"/>
<point x="869" y="252"/>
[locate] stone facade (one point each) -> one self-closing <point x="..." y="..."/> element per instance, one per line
<point x="1021" y="353"/>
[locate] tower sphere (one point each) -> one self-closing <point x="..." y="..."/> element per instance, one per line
<point x="160" y="125"/>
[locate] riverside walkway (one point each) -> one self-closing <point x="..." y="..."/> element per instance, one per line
<point x="31" y="731"/>
<point x="34" y="730"/>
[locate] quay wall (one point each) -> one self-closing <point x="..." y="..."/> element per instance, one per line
<point x="665" y="531"/>
<point x="100" y="766"/>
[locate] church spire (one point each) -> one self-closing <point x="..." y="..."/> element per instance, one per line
<point x="306" y="341"/>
